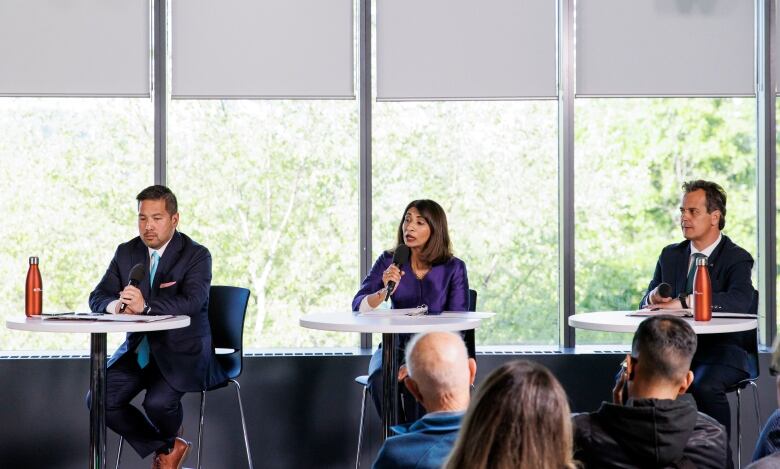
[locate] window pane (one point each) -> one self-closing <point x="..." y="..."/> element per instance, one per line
<point x="493" y="168"/>
<point x="632" y="157"/>
<point x="271" y="188"/>
<point x="777" y="204"/>
<point x="70" y="171"/>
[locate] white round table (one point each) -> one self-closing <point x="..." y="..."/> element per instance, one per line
<point x="620" y="321"/>
<point x="396" y="324"/>
<point x="97" y="375"/>
<point x="389" y="325"/>
<point x="93" y="327"/>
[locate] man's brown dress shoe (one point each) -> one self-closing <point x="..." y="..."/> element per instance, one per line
<point x="175" y="458"/>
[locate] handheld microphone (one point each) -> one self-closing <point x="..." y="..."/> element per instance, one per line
<point x="400" y="257"/>
<point x="665" y="290"/>
<point x="136" y="275"/>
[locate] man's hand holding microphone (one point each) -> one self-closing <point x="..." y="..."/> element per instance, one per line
<point x="131" y="299"/>
<point x="661" y="298"/>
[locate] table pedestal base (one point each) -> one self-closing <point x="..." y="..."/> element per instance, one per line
<point x="390" y="385"/>
<point x="97" y="411"/>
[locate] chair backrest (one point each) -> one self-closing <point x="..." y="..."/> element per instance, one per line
<point x="752" y="344"/>
<point x="472" y="300"/>
<point x="754" y="369"/>
<point x="468" y="336"/>
<point x="227" y="310"/>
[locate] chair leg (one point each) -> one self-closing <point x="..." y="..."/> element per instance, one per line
<point x="119" y="451"/>
<point x="200" y="426"/>
<point x="243" y="423"/>
<point x="739" y="428"/>
<point x="758" y="407"/>
<point x="360" y="429"/>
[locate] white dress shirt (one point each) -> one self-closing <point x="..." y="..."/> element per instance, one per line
<point x="706" y="251"/>
<point x="112" y="306"/>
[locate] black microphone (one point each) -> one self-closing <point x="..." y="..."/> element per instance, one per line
<point x="136" y="275"/>
<point x="664" y="290"/>
<point x="400" y="257"/>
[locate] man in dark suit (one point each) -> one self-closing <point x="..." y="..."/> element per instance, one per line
<point x="164" y="363"/>
<point x="721" y="360"/>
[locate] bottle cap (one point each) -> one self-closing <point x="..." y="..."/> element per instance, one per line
<point x="701" y="261"/>
<point x="33" y="260"/>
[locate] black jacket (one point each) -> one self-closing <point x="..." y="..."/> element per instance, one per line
<point x="181" y="287"/>
<point x="649" y="433"/>
<point x="732" y="291"/>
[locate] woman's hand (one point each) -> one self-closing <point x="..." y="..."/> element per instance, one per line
<point x="375" y="299"/>
<point x="394" y="274"/>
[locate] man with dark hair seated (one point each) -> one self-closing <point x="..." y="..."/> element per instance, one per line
<point x="659" y="425"/>
<point x="439" y="374"/>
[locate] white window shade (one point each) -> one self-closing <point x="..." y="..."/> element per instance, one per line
<point x="665" y="48"/>
<point x="465" y="49"/>
<point x="74" y="47"/>
<point x="262" y="49"/>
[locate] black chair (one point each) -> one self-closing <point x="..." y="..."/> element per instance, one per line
<point x="227" y="310"/>
<point x="468" y="338"/>
<point x="739" y="387"/>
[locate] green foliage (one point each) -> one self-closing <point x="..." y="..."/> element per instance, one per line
<point x="271" y="188"/>
<point x="632" y="157"/>
<point x="493" y="167"/>
<point x="69" y="175"/>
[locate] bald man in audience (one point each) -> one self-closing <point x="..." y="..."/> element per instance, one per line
<point x="439" y="374"/>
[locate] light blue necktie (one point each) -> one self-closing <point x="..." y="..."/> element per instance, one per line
<point x="143" y="348"/>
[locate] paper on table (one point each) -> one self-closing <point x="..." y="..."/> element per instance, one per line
<point x="385" y="313"/>
<point x="687" y="313"/>
<point x="683" y="313"/>
<point x="422" y="311"/>
<point x="460" y="314"/>
<point x="108" y="317"/>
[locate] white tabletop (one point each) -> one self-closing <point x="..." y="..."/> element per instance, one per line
<point x="51" y="325"/>
<point x="348" y="321"/>
<point x="619" y="321"/>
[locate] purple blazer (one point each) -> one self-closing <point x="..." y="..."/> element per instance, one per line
<point x="444" y="288"/>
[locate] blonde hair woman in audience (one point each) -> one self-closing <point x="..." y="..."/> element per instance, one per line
<point x="519" y="419"/>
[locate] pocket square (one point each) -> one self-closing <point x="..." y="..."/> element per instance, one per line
<point x="167" y="284"/>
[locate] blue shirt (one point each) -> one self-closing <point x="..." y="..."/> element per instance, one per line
<point x="424" y="444"/>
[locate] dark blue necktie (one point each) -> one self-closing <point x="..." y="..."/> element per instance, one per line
<point x="692" y="272"/>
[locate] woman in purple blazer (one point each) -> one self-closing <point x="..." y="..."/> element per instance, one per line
<point x="432" y="277"/>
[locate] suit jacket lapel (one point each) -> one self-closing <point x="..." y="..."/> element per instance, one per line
<point x="681" y="268"/>
<point x="167" y="261"/>
<point x="712" y="261"/>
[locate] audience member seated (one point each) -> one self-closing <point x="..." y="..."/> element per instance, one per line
<point x="767" y="453"/>
<point x="519" y="419"/>
<point x="439" y="375"/>
<point x="659" y="426"/>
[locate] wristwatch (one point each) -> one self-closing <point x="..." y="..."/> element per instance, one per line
<point x="683" y="297"/>
<point x="146" y="309"/>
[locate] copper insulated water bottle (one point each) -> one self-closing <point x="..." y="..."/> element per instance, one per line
<point x="702" y="292"/>
<point x="33" y="290"/>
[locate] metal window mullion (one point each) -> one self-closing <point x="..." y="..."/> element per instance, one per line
<point x="766" y="164"/>
<point x="364" y="86"/>
<point x="159" y="89"/>
<point x="566" y="171"/>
